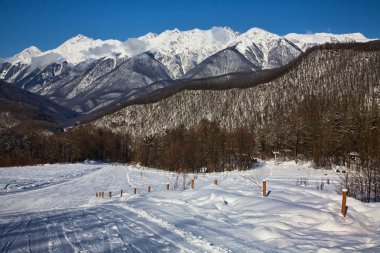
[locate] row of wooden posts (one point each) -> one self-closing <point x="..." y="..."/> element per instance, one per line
<point x="101" y="194"/>
<point x="264" y="188"/>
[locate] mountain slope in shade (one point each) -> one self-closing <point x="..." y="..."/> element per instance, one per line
<point x="226" y="61"/>
<point x="19" y="106"/>
<point x="68" y="89"/>
<point x="13" y="72"/>
<point x="64" y="80"/>
<point x="132" y="74"/>
<point x="37" y="79"/>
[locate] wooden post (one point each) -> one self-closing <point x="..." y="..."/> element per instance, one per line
<point x="264" y="188"/>
<point x="192" y="184"/>
<point x="167" y="187"/>
<point x="344" y="201"/>
<point x="121" y="193"/>
<point x="110" y="194"/>
<point x="135" y="191"/>
<point x="216" y="182"/>
<point x="149" y="188"/>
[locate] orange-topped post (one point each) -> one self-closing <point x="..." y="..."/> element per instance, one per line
<point x="344" y="202"/>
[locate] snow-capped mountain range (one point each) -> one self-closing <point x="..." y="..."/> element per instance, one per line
<point x="189" y="47"/>
<point x="84" y="67"/>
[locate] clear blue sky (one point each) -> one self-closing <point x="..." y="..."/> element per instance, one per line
<point x="48" y="23"/>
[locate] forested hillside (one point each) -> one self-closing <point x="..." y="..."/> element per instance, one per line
<point x="331" y="72"/>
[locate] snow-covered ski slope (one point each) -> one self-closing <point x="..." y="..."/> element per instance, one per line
<point x="53" y="208"/>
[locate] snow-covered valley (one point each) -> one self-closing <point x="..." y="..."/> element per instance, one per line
<point x="58" y="211"/>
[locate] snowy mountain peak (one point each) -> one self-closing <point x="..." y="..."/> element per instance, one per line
<point x="26" y="55"/>
<point x="305" y="41"/>
<point x="78" y="38"/>
<point x="257" y="30"/>
<point x="148" y="36"/>
<point x="175" y="30"/>
<point x="261" y="38"/>
<point x="33" y="50"/>
<point x="262" y="48"/>
<point x="259" y="33"/>
<point x="81" y="48"/>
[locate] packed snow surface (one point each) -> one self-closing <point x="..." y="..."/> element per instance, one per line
<point x="53" y="208"/>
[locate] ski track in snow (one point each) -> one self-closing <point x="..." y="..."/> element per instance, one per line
<point x="12" y="182"/>
<point x="65" y="216"/>
<point x="107" y="228"/>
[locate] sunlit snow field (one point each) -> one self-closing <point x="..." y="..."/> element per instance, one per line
<point x="53" y="208"/>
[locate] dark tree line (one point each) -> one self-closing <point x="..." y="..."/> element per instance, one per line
<point x="36" y="146"/>
<point x="205" y="146"/>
